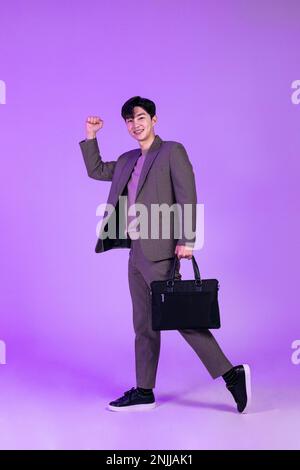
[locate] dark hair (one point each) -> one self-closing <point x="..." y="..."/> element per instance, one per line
<point x="147" y="105"/>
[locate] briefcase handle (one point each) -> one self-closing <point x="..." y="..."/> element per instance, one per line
<point x="195" y="268"/>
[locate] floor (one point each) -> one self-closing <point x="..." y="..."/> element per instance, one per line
<point x="53" y="407"/>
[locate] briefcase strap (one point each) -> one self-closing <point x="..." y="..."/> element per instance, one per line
<point x="195" y="268"/>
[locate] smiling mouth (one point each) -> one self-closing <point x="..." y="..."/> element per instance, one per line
<point x="138" y="132"/>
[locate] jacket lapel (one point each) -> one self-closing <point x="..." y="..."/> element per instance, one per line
<point x="150" y="157"/>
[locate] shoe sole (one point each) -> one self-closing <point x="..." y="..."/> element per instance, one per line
<point x="142" y="407"/>
<point x="248" y="388"/>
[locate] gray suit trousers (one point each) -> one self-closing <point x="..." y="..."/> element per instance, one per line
<point x="141" y="272"/>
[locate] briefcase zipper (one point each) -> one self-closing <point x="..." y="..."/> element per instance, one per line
<point x="162" y="297"/>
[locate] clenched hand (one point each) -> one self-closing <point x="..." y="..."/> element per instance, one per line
<point x="93" y="125"/>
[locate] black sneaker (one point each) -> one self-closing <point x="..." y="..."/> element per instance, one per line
<point x="133" y="400"/>
<point x="240" y="387"/>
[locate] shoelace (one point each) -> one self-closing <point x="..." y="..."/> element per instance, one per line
<point x="126" y="394"/>
<point x="129" y="392"/>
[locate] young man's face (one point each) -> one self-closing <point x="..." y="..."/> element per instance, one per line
<point x="141" y="126"/>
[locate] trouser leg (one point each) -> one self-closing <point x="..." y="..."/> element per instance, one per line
<point x="147" y="341"/>
<point x="208" y="350"/>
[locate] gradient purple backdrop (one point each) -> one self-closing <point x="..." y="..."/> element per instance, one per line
<point x="220" y="73"/>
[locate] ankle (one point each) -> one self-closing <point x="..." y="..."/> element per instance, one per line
<point x="144" y="391"/>
<point x="230" y="376"/>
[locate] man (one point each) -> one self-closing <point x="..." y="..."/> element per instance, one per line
<point x="158" y="172"/>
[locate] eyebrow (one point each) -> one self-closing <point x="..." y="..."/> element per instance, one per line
<point x="140" y="114"/>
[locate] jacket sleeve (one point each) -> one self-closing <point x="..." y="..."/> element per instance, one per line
<point x="96" y="168"/>
<point x="183" y="180"/>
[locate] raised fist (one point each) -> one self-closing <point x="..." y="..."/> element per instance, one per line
<point x="93" y="125"/>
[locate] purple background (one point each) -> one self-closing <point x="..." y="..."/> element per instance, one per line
<point x="220" y="73"/>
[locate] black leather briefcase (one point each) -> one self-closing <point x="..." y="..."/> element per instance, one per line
<point x="190" y="304"/>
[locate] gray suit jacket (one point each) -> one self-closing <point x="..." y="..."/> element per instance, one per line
<point x="167" y="177"/>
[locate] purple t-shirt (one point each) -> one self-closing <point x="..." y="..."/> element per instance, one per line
<point x="132" y="188"/>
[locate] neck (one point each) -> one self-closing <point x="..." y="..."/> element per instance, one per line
<point x="146" y="144"/>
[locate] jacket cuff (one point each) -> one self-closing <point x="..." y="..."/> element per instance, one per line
<point x="188" y="243"/>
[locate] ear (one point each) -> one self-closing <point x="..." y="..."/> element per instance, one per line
<point x="154" y="119"/>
